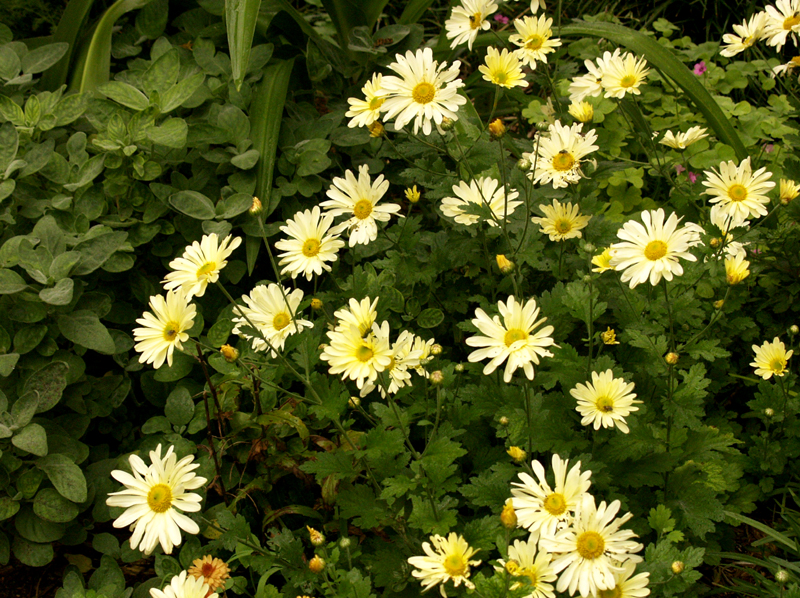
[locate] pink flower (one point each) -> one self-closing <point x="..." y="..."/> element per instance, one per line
<point x="700" y="68"/>
<point x="501" y="19"/>
<point x="679" y="169"/>
<point x="769" y="148"/>
<point x="692" y="177"/>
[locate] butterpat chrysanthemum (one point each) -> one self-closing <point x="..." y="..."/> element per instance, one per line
<point x="561" y="221"/>
<point x="591" y="84"/>
<point x="736" y="269"/>
<point x="183" y="585"/>
<point x="628" y="585"/>
<point x="200" y="264"/>
<point x="447" y="560"/>
<point x="534" y="37"/>
<point x="651" y="252"/>
<point x="605" y="401"/>
<point x="364" y="112"/>
<point x="771" y="358"/>
<point x="309" y="246"/>
<point x="357" y="357"/>
<point x="358" y="199"/>
<point x="624" y="75"/>
<point x="591" y="551"/>
<point x="525" y="561"/>
<point x="683" y="140"/>
<point x="788" y="67"/>
<point x="737" y="192"/>
<point x="467" y="20"/>
<point x="503" y="69"/>
<point x="425" y="92"/>
<point x="154" y="498"/>
<point x="581" y="111"/>
<point x="544" y="509"/>
<point x="782" y="20"/>
<point x="404" y="356"/>
<point x="164" y="329"/>
<point x="559" y="154"/>
<point x="788" y="191"/>
<point x="515" y="340"/>
<point x="361" y="314"/>
<point x="748" y="33"/>
<point x="602" y="261"/>
<point x="482" y="192"/>
<point x="270" y="314"/>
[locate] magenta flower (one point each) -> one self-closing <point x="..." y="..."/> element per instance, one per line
<point x="679" y="169"/>
<point x="769" y="148"/>
<point x="692" y="177"/>
<point x="501" y="19"/>
<point x="700" y="68"/>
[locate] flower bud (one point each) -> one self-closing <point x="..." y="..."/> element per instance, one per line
<point x="719" y="304"/>
<point x="354" y="402"/>
<point x="782" y="576"/>
<point x="437" y="377"/>
<point x="543" y="126"/>
<point x="376" y="129"/>
<point x="230" y="354"/>
<point x="516" y="453"/>
<point x="671" y="358"/>
<point x="447" y="124"/>
<point x="344" y="543"/>
<point x="412" y="195"/>
<point x="794" y="329"/>
<point x="497" y="129"/>
<point x="508" y="516"/>
<point x="609" y="337"/>
<point x="769" y="412"/>
<point x="589" y="248"/>
<point x="715" y="242"/>
<point x="256" y="207"/>
<point x="506" y="265"/>
<point x="316" y="565"/>
<point x="581" y="111"/>
<point x="436" y="349"/>
<point x="317" y="538"/>
<point x="677" y="567"/>
<point x="503" y="421"/>
<point x="316" y="303"/>
<point x="459" y="367"/>
<point x="524" y="164"/>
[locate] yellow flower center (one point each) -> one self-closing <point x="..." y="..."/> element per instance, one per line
<point x="364" y="354"/>
<point x="310" y="247"/>
<point x="362" y="209"/>
<point x="590" y="545"/>
<point x="604" y="404"/>
<point x="534" y="42"/>
<point x="655" y="250"/>
<point x="627" y="81"/>
<point x="555" y="504"/>
<point x="206" y="269"/>
<point x="530" y="572"/>
<point x="614" y="592"/>
<point x="791" y="22"/>
<point x="455" y="565"/>
<point x="171" y="330"/>
<point x="737" y="192"/>
<point x="423" y="92"/>
<point x="563" y="161"/>
<point x="795" y="60"/>
<point x="159" y="499"/>
<point x="500" y="77"/>
<point x="562" y="225"/>
<point x="778" y="365"/>
<point x="281" y="321"/>
<point x="376" y="103"/>
<point x="513" y="335"/>
<point x="475" y="20"/>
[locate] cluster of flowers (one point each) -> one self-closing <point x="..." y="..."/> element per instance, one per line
<point x="775" y="24"/>
<point x="573" y="542"/>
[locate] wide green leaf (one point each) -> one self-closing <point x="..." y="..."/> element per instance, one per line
<point x="47" y="383"/>
<point x="32" y="439"/>
<point x="84" y="328"/>
<point x="65" y="476"/>
<point x="193" y="204"/>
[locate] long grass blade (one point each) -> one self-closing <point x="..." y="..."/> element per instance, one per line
<point x="669" y="65"/>
<point x="414" y="10"/>
<point x="774" y="534"/>
<point x="69" y="30"/>
<point x="241" y="17"/>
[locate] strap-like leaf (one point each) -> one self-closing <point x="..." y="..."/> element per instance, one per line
<point x="241" y="17"/>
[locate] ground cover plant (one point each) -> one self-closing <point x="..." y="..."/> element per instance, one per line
<point x="336" y="300"/>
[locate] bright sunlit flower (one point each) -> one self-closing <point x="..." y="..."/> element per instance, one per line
<point x="309" y="245"/>
<point x="212" y="571"/>
<point x="154" y="498"/>
<point x="788" y="191"/>
<point x="737" y="192"/>
<point x="771" y="358"/>
<point x="748" y="33"/>
<point x="605" y="401"/>
<point x="271" y="315"/>
<point x="358" y="199"/>
<point x="524" y="561"/>
<point x="485" y="192"/>
<point x="592" y="550"/>
<point x="683" y="140"/>
<point x="736" y="269"/>
<point x="357" y="357"/>
<point x="468" y="20"/>
<point x="502" y="68"/>
<point x="559" y="154"/>
<point x="603" y="261"/>
<point x="627" y="585"/>
<point x="533" y="37"/>
<point x="590" y="84"/>
<point x="544" y="509"/>
<point x="624" y="75"/>
<point x="361" y="314"/>
<point x="164" y="330"/>
<point x="652" y="251"/>
<point x="425" y="91"/>
<point x="561" y="221"/>
<point x="200" y="264"/>
<point x="782" y="20"/>
<point x="183" y="585"/>
<point x="581" y="111"/>
<point x="448" y="559"/>
<point x="404" y="356"/>
<point x="513" y="340"/>
<point x="365" y="112"/>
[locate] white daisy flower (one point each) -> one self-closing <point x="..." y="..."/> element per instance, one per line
<point x="154" y="498"/>
<point x="561" y="221"/>
<point x="783" y="69"/>
<point x="358" y="358"/>
<point x="624" y="75"/>
<point x="559" y="154"/>
<point x="782" y="20"/>
<point x="309" y="247"/>
<point x="605" y="401"/>
<point x="164" y="329"/>
<point x="626" y="584"/>
<point x="182" y="586"/>
<point x="358" y="199"/>
<point x="425" y="91"/>
<point x="363" y="113"/>
<point x="482" y="191"/>
<point x="534" y="39"/>
<point x="749" y="32"/>
<point x="683" y="140"/>
<point x="737" y="192"/>
<point x="361" y="314"/>
<point x="467" y="20"/>
<point x="271" y="315"/>
<point x="200" y="264"/>
<point x="590" y="84"/>
<point x="449" y="559"/>
<point x="404" y="356"/>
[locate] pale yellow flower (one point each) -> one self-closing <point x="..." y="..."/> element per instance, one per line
<point x="771" y="358"/>
<point x="503" y="69"/>
<point x="447" y="560"/>
<point x="561" y="221"/>
<point x="736" y="269"/>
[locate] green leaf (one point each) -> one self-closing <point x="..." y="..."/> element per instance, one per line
<point x="246" y="160"/>
<point x="163" y="73"/>
<point x="48" y="383"/>
<point x="51" y="506"/>
<point x="241" y="17"/>
<point x="171" y="133"/>
<point x="32" y="439"/>
<point x="9" y="63"/>
<point x="284" y="417"/>
<point x="193" y="204"/>
<point x="60" y="294"/>
<point x="70" y="28"/>
<point x="24" y="408"/>
<point x="178" y="94"/>
<point x="32" y="554"/>
<point x="8" y="507"/>
<point x="414" y="10"/>
<point x="105" y="544"/>
<point x="430" y="318"/>
<point x="180" y="407"/>
<point x="125" y="94"/>
<point x="9" y="144"/>
<point x="65" y="476"/>
<point x="11" y="282"/>
<point x="152" y="19"/>
<point x="43" y="58"/>
<point x="94" y="252"/>
<point x="7" y="188"/>
<point x="7" y="363"/>
<point x="84" y="328"/>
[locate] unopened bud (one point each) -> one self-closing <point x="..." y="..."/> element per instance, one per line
<point x="677" y="567"/>
<point x="715" y="242"/>
<point x="437" y="377"/>
<point x="582" y="111"/>
<point x="504" y="421"/>
<point x="524" y="164"/>
<point x="497" y="129"/>
<point x="256" y="207"/>
<point x="719" y="304"/>
<point x="513" y="567"/>
<point x="782" y="576"/>
<point x="354" y="402"/>
<point x="769" y="412"/>
<point x="316" y="565"/>
<point x="543" y="126"/>
<point x="516" y="453"/>
<point x="447" y="124"/>
<point x="230" y="354"/>
<point x="794" y="329"/>
<point x="671" y="358"/>
<point x="459" y="367"/>
<point x="609" y="337"/>
<point x="505" y="264"/>
<point x="344" y="543"/>
<point x="412" y="195"/>
<point x="376" y="129"/>
<point x="316" y="303"/>
<point x="317" y="538"/>
<point x="589" y="248"/>
<point x="436" y="349"/>
<point x="508" y="516"/>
